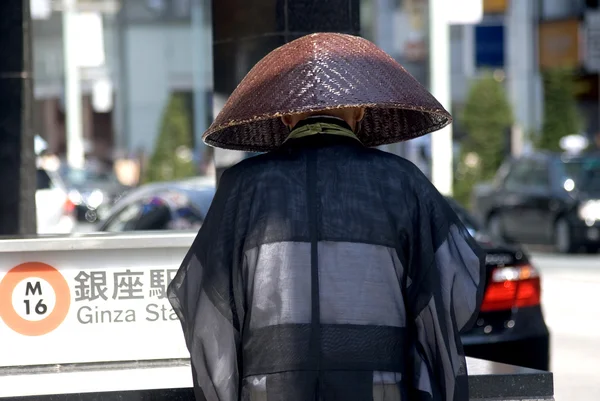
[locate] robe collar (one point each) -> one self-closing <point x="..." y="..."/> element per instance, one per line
<point x="321" y="125"/>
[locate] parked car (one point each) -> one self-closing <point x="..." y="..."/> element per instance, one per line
<point x="54" y="211"/>
<point x="510" y="328"/>
<point x="161" y="206"/>
<point x="91" y="191"/>
<point x="545" y="198"/>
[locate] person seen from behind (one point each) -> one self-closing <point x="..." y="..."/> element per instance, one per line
<point x="327" y="269"/>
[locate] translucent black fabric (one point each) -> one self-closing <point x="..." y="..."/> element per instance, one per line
<point x="328" y="271"/>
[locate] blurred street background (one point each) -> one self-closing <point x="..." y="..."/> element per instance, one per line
<point x="570" y="296"/>
<point x="118" y="93"/>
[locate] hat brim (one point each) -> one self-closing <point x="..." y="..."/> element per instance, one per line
<point x="323" y="72"/>
<point x="266" y="132"/>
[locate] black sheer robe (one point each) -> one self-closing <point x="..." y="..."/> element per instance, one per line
<point x="328" y="271"/>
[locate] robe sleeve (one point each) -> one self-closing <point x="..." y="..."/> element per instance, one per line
<point x="205" y="294"/>
<point x="445" y="286"/>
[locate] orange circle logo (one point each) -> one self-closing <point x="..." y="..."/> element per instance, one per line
<point x="34" y="299"/>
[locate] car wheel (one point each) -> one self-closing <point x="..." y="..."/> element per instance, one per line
<point x="494" y="226"/>
<point x="91" y="216"/>
<point x="592" y="249"/>
<point x="563" y="242"/>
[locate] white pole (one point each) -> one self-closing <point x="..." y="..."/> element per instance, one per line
<point x="385" y="38"/>
<point x="74" y="125"/>
<point x="198" y="53"/>
<point x="517" y="140"/>
<point x="439" y="70"/>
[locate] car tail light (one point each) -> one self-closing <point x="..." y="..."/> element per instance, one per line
<point x="69" y="207"/>
<point x="512" y="287"/>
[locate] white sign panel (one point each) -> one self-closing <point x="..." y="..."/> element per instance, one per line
<point x="40" y="9"/>
<point x="592" y="46"/>
<point x="102" y="96"/>
<point x="89" y="42"/>
<point x="88" y="306"/>
<point x="464" y="12"/>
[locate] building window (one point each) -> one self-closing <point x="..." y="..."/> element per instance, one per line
<point x="489" y="46"/>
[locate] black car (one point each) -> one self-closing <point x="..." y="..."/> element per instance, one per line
<point x="545" y="198"/>
<point x="511" y="327"/>
<point x="91" y="191"/>
<point x="179" y="205"/>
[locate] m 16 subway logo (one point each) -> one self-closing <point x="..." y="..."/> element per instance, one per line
<point x="40" y="307"/>
<point x="34" y="299"/>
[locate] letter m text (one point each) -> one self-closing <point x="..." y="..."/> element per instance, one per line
<point x="33" y="289"/>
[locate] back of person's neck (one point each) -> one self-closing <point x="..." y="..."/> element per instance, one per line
<point x="316" y="116"/>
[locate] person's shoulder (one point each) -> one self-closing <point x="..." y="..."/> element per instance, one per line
<point x="404" y="170"/>
<point x="399" y="170"/>
<point x="392" y="159"/>
<point x="252" y="168"/>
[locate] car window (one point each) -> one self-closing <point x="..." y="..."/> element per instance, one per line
<point x="501" y="174"/>
<point x="155" y="215"/>
<point x="125" y="219"/>
<point x="538" y="175"/>
<point x="527" y="174"/>
<point x="186" y="218"/>
<point x="518" y="176"/>
<point x="43" y="180"/>
<point x="584" y="173"/>
<point x="202" y="199"/>
<point x="187" y="214"/>
<point x="135" y="195"/>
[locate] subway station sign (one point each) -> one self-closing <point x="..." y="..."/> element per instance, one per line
<point x="62" y="308"/>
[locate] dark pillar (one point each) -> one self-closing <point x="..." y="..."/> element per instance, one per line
<point x="244" y="31"/>
<point x="17" y="159"/>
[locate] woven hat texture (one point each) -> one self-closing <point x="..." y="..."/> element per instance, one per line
<point x="320" y="72"/>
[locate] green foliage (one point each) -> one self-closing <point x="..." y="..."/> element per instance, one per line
<point x="561" y="116"/>
<point x="172" y="157"/>
<point x="486" y="116"/>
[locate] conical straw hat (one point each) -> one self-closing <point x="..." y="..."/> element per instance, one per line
<point x="321" y="72"/>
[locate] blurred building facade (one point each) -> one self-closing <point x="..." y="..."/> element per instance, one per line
<point x="522" y="39"/>
<point x="148" y="53"/>
<point x="152" y="48"/>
